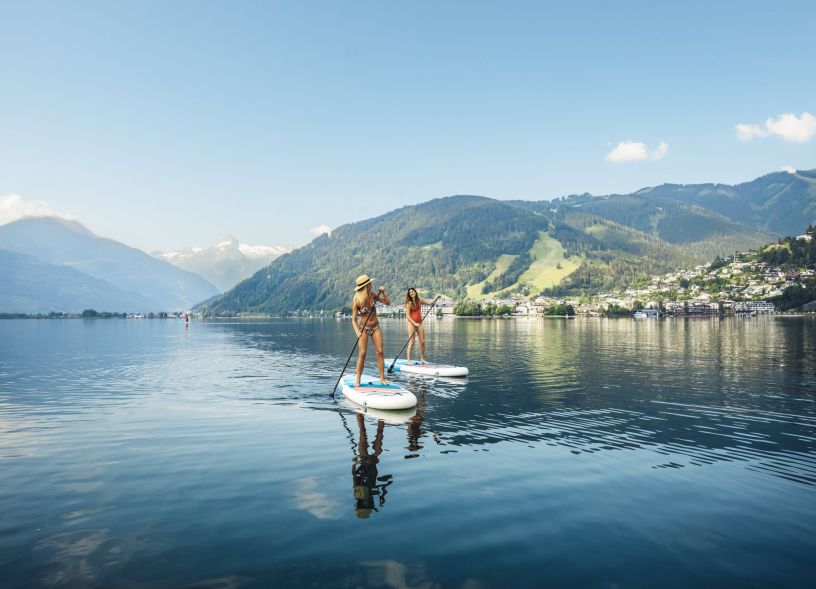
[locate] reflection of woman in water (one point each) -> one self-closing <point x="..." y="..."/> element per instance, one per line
<point x="414" y="429"/>
<point x="367" y="484"/>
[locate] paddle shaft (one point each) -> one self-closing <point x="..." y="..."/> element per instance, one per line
<point x="391" y="368"/>
<point x="357" y="341"/>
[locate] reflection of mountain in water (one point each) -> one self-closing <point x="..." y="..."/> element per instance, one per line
<point x="691" y="392"/>
<point x="687" y="392"/>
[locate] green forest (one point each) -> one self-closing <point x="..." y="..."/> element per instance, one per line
<point x="447" y="244"/>
<point x="791" y="252"/>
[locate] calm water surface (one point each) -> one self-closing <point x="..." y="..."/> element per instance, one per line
<point x="584" y="453"/>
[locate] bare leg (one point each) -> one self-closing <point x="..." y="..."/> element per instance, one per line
<point x="377" y="339"/>
<point x="421" y="330"/>
<point x="363" y="346"/>
<point x="378" y="438"/>
<point x="362" y="446"/>
<point x="411" y="336"/>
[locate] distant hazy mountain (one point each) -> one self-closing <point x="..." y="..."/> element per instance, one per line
<point x="67" y="243"/>
<point x="225" y="263"/>
<point x="30" y="285"/>
<point x="474" y="246"/>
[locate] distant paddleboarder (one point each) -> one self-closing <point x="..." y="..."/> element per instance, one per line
<point x="365" y="322"/>
<point x="413" y="311"/>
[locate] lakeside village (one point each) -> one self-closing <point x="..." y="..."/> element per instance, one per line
<point x="742" y="285"/>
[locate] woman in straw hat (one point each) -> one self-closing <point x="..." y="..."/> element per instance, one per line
<point x="365" y="322"/>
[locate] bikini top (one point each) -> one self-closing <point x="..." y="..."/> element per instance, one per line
<point x="366" y="310"/>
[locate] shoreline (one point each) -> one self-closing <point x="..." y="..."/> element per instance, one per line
<point x="64" y="317"/>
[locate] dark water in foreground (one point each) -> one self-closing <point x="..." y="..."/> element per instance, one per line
<point x="585" y="453"/>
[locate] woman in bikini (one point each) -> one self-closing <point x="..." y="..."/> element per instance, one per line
<point x="413" y="310"/>
<point x="365" y="322"/>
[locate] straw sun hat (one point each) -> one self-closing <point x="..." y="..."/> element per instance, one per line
<point x="362" y="281"/>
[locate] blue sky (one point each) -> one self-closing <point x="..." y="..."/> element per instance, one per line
<point x="170" y="124"/>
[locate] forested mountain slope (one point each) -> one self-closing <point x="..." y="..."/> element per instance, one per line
<point x="475" y="246"/>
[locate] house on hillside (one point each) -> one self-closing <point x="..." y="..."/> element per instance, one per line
<point x="541" y="305"/>
<point x="444" y="307"/>
<point x="391" y="310"/>
<point x="523" y="309"/>
<point x="591" y="309"/>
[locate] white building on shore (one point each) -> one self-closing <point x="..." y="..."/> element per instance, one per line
<point x="754" y="306"/>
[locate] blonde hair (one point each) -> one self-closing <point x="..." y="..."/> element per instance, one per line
<point x="362" y="297"/>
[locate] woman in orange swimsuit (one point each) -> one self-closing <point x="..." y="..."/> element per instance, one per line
<point x="413" y="310"/>
<point x="365" y="322"/>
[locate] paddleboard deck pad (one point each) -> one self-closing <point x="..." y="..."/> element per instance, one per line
<point x="372" y="394"/>
<point x="427" y="368"/>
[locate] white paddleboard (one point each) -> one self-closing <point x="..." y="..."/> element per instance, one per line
<point x="372" y="394"/>
<point x="427" y="368"/>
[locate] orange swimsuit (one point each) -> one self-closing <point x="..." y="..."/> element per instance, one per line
<point x="415" y="313"/>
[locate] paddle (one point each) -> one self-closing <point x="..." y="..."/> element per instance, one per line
<point x="357" y="341"/>
<point x="391" y="368"/>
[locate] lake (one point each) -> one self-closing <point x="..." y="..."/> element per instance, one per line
<point x="579" y="453"/>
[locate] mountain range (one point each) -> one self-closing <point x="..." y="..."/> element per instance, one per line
<point x="225" y="263"/>
<point x="50" y="264"/>
<point x="32" y="286"/>
<point x="473" y="246"/>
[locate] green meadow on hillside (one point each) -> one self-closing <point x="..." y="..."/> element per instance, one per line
<point x="548" y="267"/>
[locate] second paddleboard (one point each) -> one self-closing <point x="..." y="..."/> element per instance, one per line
<point x="427" y="368"/>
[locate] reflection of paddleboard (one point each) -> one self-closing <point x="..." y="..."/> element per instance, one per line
<point x="372" y="394"/>
<point x="393" y="416"/>
<point x="428" y="368"/>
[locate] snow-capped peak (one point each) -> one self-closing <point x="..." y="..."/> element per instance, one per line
<point x="228" y="246"/>
<point x="225" y="263"/>
<point x="228" y="241"/>
<point x="262" y="251"/>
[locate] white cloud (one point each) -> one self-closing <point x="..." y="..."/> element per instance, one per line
<point x="319" y="504"/>
<point x="789" y="169"/>
<point x="792" y="128"/>
<point x="635" y="151"/>
<point x="13" y="207"/>
<point x="628" y="151"/>
<point x="788" y="126"/>
<point x="320" y="230"/>
<point x="748" y="132"/>
<point x="661" y="151"/>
